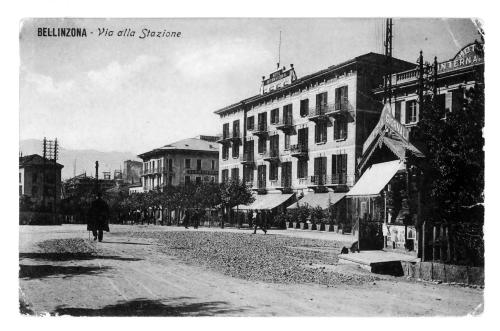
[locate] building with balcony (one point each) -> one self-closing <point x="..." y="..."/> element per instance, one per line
<point x="303" y="135"/>
<point x="192" y="160"/>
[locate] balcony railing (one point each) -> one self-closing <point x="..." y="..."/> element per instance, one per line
<point x="228" y="135"/>
<point x="285" y="123"/>
<point x="272" y="155"/>
<point x="298" y="150"/>
<point x="261" y="129"/>
<point x="332" y="109"/>
<point x="247" y="158"/>
<point x="318" y="180"/>
<point x="249" y="183"/>
<point x="331" y="180"/>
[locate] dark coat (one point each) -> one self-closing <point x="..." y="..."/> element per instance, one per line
<point x="98" y="216"/>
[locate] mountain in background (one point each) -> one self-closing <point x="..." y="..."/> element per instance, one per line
<point x="85" y="158"/>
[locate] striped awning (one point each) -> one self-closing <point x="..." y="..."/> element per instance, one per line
<point x="266" y="201"/>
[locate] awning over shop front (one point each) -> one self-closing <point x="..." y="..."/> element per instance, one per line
<point x="375" y="178"/>
<point x="318" y="199"/>
<point x="266" y="201"/>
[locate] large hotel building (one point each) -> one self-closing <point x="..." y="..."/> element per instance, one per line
<point x="303" y="135"/>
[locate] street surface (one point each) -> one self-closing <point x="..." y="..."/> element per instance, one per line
<point x="136" y="274"/>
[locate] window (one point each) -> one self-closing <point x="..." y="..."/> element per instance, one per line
<point x="303" y="137"/>
<point x="248" y="174"/>
<point x="261" y="176"/>
<point x="339" y="169"/>
<point x="341" y="100"/>
<point x="411" y="111"/>
<point x="187" y="180"/>
<point x="35" y="177"/>
<point x="262" y="125"/>
<point x="262" y="145"/>
<point x="249" y="149"/>
<point x="320" y="132"/>
<point x="302" y="168"/>
<point x="340" y="129"/>
<point x="198" y="180"/>
<point x="250" y="123"/>
<point x="319" y="170"/>
<point x="170" y="180"/>
<point x="225" y="152"/>
<point x="170" y="165"/>
<point x="187" y="163"/>
<point x="287" y="141"/>
<point x="225" y="175"/>
<point x="287" y="114"/>
<point x="273" y="171"/>
<point x="20" y="181"/>
<point x="275" y="116"/>
<point x="286" y="174"/>
<point x="34" y="190"/>
<point x="236" y="128"/>
<point x="397" y="110"/>
<point x="441" y="102"/>
<point x="321" y="102"/>
<point x="213" y="164"/>
<point x="20" y="190"/>
<point x="225" y="131"/>
<point x="304" y="107"/>
<point x="274" y="143"/>
<point x="235" y="150"/>
<point x="235" y="174"/>
<point x="198" y="164"/>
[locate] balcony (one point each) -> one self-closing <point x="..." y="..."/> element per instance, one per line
<point x="228" y="136"/>
<point x="261" y="129"/>
<point x="247" y="159"/>
<point x="285" y="124"/>
<point x="299" y="150"/>
<point x="342" y="108"/>
<point x="318" y="113"/>
<point x="272" y="156"/>
<point x="249" y="183"/>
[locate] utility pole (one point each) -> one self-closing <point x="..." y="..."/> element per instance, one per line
<point x="96" y="177"/>
<point x="388" y="54"/>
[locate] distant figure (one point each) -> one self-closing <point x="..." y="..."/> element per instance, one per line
<point x="196" y="218"/>
<point x="250" y="219"/>
<point x="186" y="218"/>
<point x="344" y="250"/>
<point x="98" y="217"/>
<point x="354" y="247"/>
<point x="259" y="222"/>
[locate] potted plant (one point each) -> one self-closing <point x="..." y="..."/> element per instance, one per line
<point x="317" y="216"/>
<point x="303" y="216"/>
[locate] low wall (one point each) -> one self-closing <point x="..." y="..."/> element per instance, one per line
<point x="447" y="273"/>
<point x="39" y="218"/>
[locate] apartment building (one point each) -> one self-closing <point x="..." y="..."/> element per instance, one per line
<point x="303" y="134"/>
<point x="192" y="160"/>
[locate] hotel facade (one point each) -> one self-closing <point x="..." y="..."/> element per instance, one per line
<point x="303" y="135"/>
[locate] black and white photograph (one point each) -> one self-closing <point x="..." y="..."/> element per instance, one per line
<point x="252" y="167"/>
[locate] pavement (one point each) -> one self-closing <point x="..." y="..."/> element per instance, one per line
<point x="132" y="277"/>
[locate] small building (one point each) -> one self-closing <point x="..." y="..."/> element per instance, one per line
<point x="40" y="180"/>
<point x="192" y="160"/>
<point x="132" y="172"/>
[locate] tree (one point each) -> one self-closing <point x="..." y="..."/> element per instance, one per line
<point x="453" y="168"/>
<point x="234" y="193"/>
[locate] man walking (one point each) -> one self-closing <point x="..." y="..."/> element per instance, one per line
<point x="259" y="222"/>
<point x="98" y="217"/>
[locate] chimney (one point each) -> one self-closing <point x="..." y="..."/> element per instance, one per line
<point x="291" y="65"/>
<point x="277" y="66"/>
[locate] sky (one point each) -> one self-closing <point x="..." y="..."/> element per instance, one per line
<point x="130" y="94"/>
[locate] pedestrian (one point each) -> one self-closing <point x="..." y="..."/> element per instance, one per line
<point x="259" y="222"/>
<point x="98" y="217"/>
<point x="250" y="218"/>
<point x="186" y="218"/>
<point x="194" y="218"/>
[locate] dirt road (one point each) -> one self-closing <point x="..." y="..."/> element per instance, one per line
<point x="132" y="277"/>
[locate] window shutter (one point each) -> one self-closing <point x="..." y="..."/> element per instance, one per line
<point x="334" y="164"/>
<point x="344" y="163"/>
